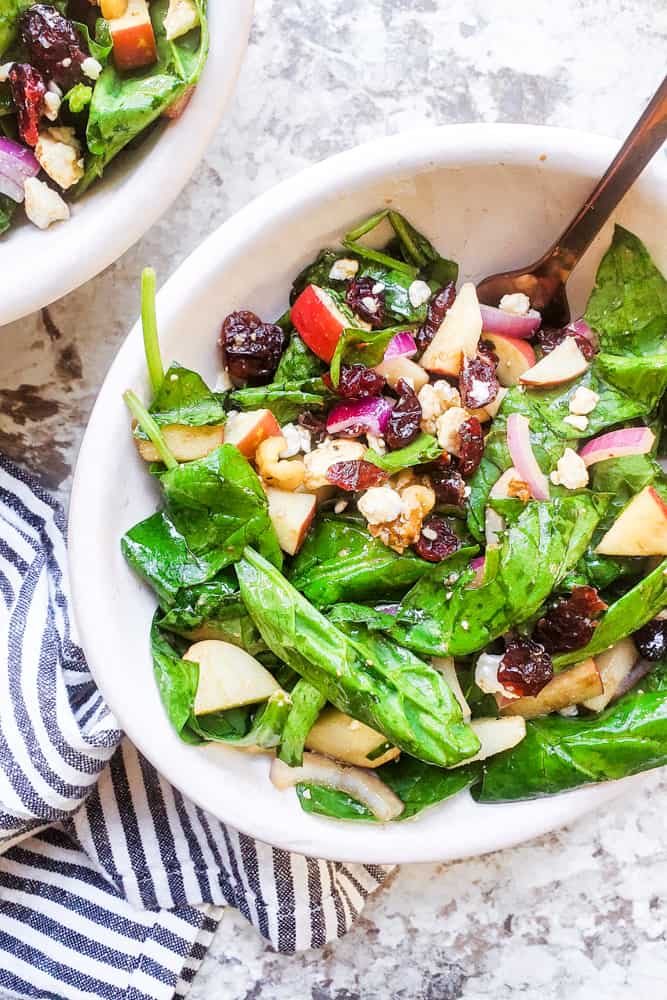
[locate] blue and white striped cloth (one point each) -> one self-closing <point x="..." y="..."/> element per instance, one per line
<point x="111" y="882"/>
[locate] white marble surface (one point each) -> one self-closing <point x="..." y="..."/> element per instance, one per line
<point x="573" y="915"/>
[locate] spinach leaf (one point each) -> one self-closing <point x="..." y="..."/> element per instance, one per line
<point x="628" y="306"/>
<point x="213" y="610"/>
<point x="420" y="252"/>
<point x="643" y="379"/>
<point x="124" y="105"/>
<point x="379" y="257"/>
<point x="298" y="363"/>
<point x="417" y="785"/>
<point x="396" y="294"/>
<point x="424" y="448"/>
<point x="7" y="209"/>
<point x="79" y="97"/>
<point x="362" y="674"/>
<point x="318" y="272"/>
<point x="101" y="44"/>
<point x="286" y="400"/>
<point x="638" y="606"/>
<point x="9" y="15"/>
<point x="340" y="561"/>
<point x="361" y="347"/>
<point x="559" y="753"/>
<point x="307" y="703"/>
<point x="184" y="398"/>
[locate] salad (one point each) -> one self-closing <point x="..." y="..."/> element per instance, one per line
<point x="79" y="81"/>
<point x="410" y="544"/>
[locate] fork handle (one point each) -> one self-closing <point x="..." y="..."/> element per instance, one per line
<point x="638" y="149"/>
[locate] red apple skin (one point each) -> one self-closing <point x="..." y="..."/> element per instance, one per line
<point x="291" y="515"/>
<point x="246" y="431"/>
<point x="319" y="325"/>
<point x="515" y="357"/>
<point x="176" y="109"/>
<point x="133" y="45"/>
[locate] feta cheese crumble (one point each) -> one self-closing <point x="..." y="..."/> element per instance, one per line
<point x="418" y="293"/>
<point x="583" y="401"/>
<point x="297" y="438"/>
<point x="486" y="676"/>
<point x="43" y="205"/>
<point x="344" y="269"/>
<point x="51" y="105"/>
<point x="447" y="429"/>
<point x="435" y="400"/>
<point x="377" y="443"/>
<point x="91" y="68"/>
<point x="58" y="152"/>
<point x="517" y="304"/>
<point x="570" y="471"/>
<point x="579" y="422"/>
<point x="4" y="71"/>
<point x="223" y="382"/>
<point x="381" y="504"/>
<point x="370" y="304"/>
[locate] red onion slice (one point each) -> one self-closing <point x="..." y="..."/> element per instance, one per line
<point x="361" y="784"/>
<point x="580" y="328"/>
<point x="17" y="164"/>
<point x="523" y="457"/>
<point x="498" y="321"/>
<point x="477" y="565"/>
<point x="616" y="444"/>
<point x="371" y="414"/>
<point x="640" y="669"/>
<point x="401" y="345"/>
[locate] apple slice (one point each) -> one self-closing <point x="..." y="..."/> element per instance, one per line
<point x="184" y="442"/>
<point x="133" y="37"/>
<point x="495" y="735"/>
<point x="563" y="364"/>
<point x="640" y="529"/>
<point x="394" y="369"/>
<point x="248" y="430"/>
<point x="571" y="687"/>
<point x="320" y="321"/>
<point x="488" y="412"/>
<point x="515" y="357"/>
<point x="228" y="677"/>
<point x="457" y="336"/>
<point x="291" y="515"/>
<point x="614" y="665"/>
<point x="339" y="736"/>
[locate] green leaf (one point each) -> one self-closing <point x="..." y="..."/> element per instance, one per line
<point x="364" y="675"/>
<point x="286" y="400"/>
<point x="421" y="252"/>
<point x="362" y="347"/>
<point x="79" y="97"/>
<point x="9" y="14"/>
<point x="184" y="398"/>
<point x="7" y="209"/>
<point x="318" y="272"/>
<point x="396" y="294"/>
<point x="378" y="257"/>
<point x="101" y="45"/>
<point x="424" y="448"/>
<point x="307" y="703"/>
<point x="298" y="363"/>
<point x="628" y="307"/>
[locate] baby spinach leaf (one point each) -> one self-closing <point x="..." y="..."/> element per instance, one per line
<point x="628" y="306"/>
<point x="420" y="251"/>
<point x="365" y="675"/>
<point x="79" y="97"/>
<point x="7" y="209"/>
<point x="379" y="257"/>
<point x="298" y="363"/>
<point x="307" y="703"/>
<point x="643" y="379"/>
<point x="101" y="44"/>
<point x="213" y="610"/>
<point x="286" y="400"/>
<point x="396" y="294"/>
<point x="9" y="15"/>
<point x="424" y="448"/>
<point x="361" y="347"/>
<point x="184" y="398"/>
<point x="318" y="272"/>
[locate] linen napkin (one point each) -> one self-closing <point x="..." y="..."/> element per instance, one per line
<point x="112" y="883"/>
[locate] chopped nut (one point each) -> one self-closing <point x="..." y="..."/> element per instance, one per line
<point x="520" y="490"/>
<point x="285" y="475"/>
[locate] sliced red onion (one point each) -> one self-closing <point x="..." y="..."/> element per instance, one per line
<point x="616" y="444"/>
<point x="401" y="345"/>
<point x="523" y="457"/>
<point x="365" y="414"/>
<point x="580" y="328"/>
<point x="640" y="669"/>
<point x="17" y="164"/>
<point x="498" y="321"/>
<point x="361" y="784"/>
<point x="477" y="565"/>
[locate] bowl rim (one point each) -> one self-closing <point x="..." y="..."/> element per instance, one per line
<point x="416" y="150"/>
<point x="136" y="195"/>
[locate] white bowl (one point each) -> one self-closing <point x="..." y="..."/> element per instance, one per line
<point x="39" y="267"/>
<point x="490" y="196"/>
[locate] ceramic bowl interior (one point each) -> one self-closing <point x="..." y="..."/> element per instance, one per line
<point x="488" y="196"/>
<point x="38" y="267"/>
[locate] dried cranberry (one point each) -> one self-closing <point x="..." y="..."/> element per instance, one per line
<point x="570" y="622"/>
<point x="437" y="540"/>
<point x="356" y="475"/>
<point x="438" y="308"/>
<point x="525" y="668"/>
<point x="548" y="339"/>
<point x="486" y="350"/>
<point x="651" y="639"/>
<point x="28" y="90"/>
<point x="472" y="446"/>
<point x="365" y="302"/>
<point x="251" y="348"/>
<point x="53" y="45"/>
<point x="447" y="482"/>
<point x="478" y="384"/>
<point x="357" y="382"/>
<point x="316" y="423"/>
<point x="405" y="418"/>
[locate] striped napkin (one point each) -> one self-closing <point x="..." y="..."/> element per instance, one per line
<point x="112" y="883"/>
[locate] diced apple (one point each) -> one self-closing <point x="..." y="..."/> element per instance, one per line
<point x="563" y="364"/>
<point x="177" y="107"/>
<point x="181" y="17"/>
<point x="320" y="321"/>
<point x="133" y="37"/>
<point x="515" y="357"/>
<point x="397" y="368"/>
<point x="112" y="9"/>
<point x="247" y="430"/>
<point x="339" y="736"/>
<point x="228" y="677"/>
<point x="494" y="522"/>
<point x="291" y="515"/>
<point x="614" y="665"/>
<point x="457" y="337"/>
<point x="572" y="687"/>
<point x="640" y="529"/>
<point x="495" y="735"/>
<point x="446" y="666"/>
<point x="185" y="443"/>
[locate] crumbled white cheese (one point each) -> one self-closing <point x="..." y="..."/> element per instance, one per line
<point x="317" y="462"/>
<point x="381" y="504"/>
<point x="67" y="62"/>
<point x="4" y="71"/>
<point x="223" y="382"/>
<point x="340" y="506"/>
<point x="429" y="533"/>
<point x="43" y="205"/>
<point x="51" y="105"/>
<point x="583" y="401"/>
<point x="305" y="793"/>
<point x="370" y="304"/>
<point x="344" y="269"/>
<point x="378" y="287"/>
<point x="447" y="429"/>
<point x="91" y="68"/>
<point x="486" y="676"/>
<point x="568" y="712"/>
<point x="579" y="422"/>
<point x="54" y="88"/>
<point x="58" y="152"/>
<point x="434" y="400"/>
<point x="517" y="304"/>
<point x="570" y="471"/>
<point x="297" y="438"/>
<point x="377" y="443"/>
<point x="418" y="293"/>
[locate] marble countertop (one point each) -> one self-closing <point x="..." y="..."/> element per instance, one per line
<point x="575" y="913"/>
